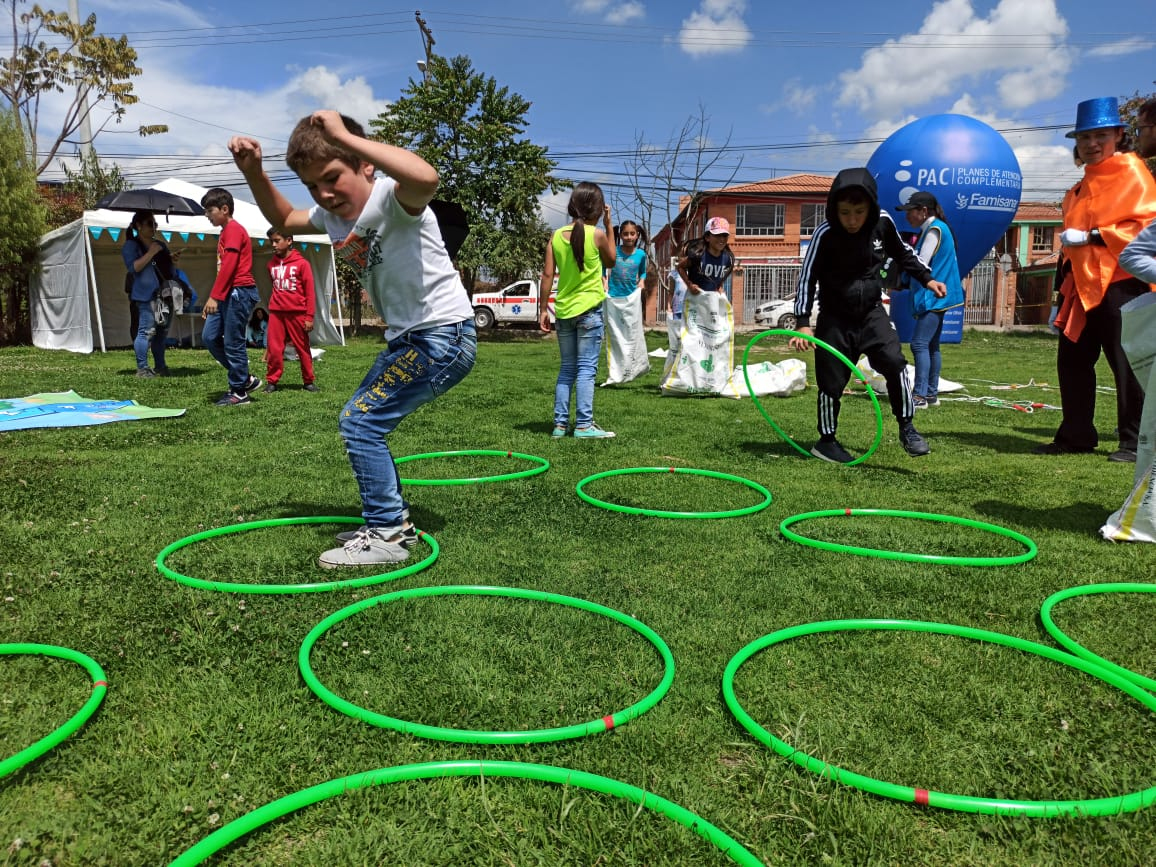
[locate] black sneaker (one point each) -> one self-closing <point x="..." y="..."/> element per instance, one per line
<point x="830" y="450"/>
<point x="309" y="386"/>
<point x="232" y="399"/>
<point x="252" y="385"/>
<point x="913" y="442"/>
<point x="1123" y="456"/>
<point x="270" y="388"/>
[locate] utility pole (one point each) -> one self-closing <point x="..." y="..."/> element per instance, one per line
<point x="427" y="42"/>
<point x="86" y="148"/>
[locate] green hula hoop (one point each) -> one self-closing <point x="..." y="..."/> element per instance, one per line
<point x="1110" y="806"/>
<point x="311" y="587"/>
<point x="99" y="688"/>
<point x="1078" y="649"/>
<point x="473" y="736"/>
<point x="855" y="372"/>
<point x="267" y="813"/>
<point x="662" y="513"/>
<point x="941" y="559"/>
<point x="542" y="466"/>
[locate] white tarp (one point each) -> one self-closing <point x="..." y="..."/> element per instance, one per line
<point x="626" y="357"/>
<point x="77" y="298"/>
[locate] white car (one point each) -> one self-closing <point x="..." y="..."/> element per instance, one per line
<point x="777" y="314"/>
<point x="781" y="313"/>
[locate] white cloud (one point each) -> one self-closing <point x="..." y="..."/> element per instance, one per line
<point x="954" y="45"/>
<point x="616" y="12"/>
<point x="795" y="97"/>
<point x="716" y="27"/>
<point x="320" y="87"/>
<point x="625" y="12"/>
<point x="1132" y="45"/>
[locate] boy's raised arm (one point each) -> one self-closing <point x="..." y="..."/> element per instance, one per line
<point x="274" y="206"/>
<point x="417" y="180"/>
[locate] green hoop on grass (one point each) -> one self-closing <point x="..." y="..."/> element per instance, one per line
<point x="473" y="736"/>
<point x="1078" y="649"/>
<point x="1110" y="806"/>
<point x="542" y="466"/>
<point x="663" y="513"/>
<point x="311" y="587"/>
<point x="222" y="837"/>
<point x="941" y="559"/>
<point x="855" y="372"/>
<point x="99" y="688"/>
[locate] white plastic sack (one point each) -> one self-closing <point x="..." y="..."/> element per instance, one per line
<point x="1135" y="521"/>
<point x="880" y="384"/>
<point x="774" y="378"/>
<point x="626" y="357"/>
<point x="705" y="361"/>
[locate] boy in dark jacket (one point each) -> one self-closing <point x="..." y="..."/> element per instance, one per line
<point x="291" y="308"/>
<point x="844" y="260"/>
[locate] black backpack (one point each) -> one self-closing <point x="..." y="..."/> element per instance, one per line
<point x="453" y="222"/>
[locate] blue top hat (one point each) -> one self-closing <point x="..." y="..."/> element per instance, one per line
<point x="1100" y="113"/>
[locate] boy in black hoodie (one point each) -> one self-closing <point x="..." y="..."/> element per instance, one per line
<point x="846" y="255"/>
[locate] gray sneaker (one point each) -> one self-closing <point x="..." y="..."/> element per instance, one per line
<point x="913" y="442"/>
<point x="408" y="536"/>
<point x="368" y="547"/>
<point x="831" y="450"/>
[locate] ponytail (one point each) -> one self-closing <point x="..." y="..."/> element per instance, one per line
<point x="578" y="243"/>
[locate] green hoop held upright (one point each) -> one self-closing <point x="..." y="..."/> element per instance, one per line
<point x="855" y="372"/>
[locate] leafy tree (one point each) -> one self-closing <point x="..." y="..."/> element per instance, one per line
<point x="1129" y="109"/>
<point x="22" y="214"/>
<point x="51" y="54"/>
<point x="472" y="131"/>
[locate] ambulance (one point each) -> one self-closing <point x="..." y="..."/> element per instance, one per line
<point x="516" y="303"/>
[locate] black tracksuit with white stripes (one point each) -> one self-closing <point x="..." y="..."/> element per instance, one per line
<point x="845" y="269"/>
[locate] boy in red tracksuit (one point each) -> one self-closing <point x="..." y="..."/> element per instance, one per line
<point x="291" y="308"/>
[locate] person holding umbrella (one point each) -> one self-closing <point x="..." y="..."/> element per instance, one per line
<point x="148" y="260"/>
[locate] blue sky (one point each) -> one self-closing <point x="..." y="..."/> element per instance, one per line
<point x="790" y="87"/>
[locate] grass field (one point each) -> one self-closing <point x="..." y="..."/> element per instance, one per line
<point x="207" y="716"/>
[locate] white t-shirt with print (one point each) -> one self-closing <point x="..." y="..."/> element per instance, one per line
<point x="401" y="261"/>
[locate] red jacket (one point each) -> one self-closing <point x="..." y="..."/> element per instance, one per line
<point x="234" y="260"/>
<point x="292" y="285"/>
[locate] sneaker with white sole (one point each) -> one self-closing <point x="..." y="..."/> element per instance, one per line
<point x="592" y="432"/>
<point x="252" y="384"/>
<point x="370" y="546"/>
<point x="559" y="431"/>
<point x="831" y="450"/>
<point x="408" y="536"/>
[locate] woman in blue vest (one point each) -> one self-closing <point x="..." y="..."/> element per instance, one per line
<point x="936" y="247"/>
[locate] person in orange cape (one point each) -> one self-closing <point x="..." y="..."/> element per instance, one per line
<point x="1102" y="214"/>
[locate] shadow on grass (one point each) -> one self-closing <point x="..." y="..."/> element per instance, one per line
<point x="513" y="335"/>
<point x="1080" y="518"/>
<point x="1005" y="443"/>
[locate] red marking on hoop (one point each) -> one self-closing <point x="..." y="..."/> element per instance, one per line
<point x="608" y="721"/>
<point x="847" y="513"/>
<point x="100" y="683"/>
<point x="509" y="454"/>
<point x="672" y="469"/>
<point x="922" y="797"/>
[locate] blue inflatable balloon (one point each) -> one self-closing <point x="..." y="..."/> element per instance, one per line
<point x="969" y="168"/>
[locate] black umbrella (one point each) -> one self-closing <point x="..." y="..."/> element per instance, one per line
<point x="157" y="201"/>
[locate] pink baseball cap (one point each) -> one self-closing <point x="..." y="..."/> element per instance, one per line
<point x="718" y="226"/>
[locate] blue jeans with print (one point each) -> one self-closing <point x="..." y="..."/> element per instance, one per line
<point x="148" y="335"/>
<point x="416" y="368"/>
<point x="925" y="349"/>
<point x="224" y="334"/>
<point x="580" y="345"/>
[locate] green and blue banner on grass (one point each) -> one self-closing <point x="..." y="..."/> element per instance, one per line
<point x="69" y="409"/>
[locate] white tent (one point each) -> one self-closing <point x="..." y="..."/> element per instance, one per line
<point x="77" y="297"/>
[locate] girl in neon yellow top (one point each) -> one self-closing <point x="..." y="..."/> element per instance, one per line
<point x="578" y="253"/>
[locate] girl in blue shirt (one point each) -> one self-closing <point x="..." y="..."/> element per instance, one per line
<point x="629" y="271"/>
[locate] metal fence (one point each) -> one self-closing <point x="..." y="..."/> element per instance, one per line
<point x="980" y="306"/>
<point x="763" y="283"/>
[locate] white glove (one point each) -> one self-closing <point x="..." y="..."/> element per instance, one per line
<point x="1073" y="237"/>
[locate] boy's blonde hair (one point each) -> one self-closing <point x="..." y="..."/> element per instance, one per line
<point x="308" y="145"/>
